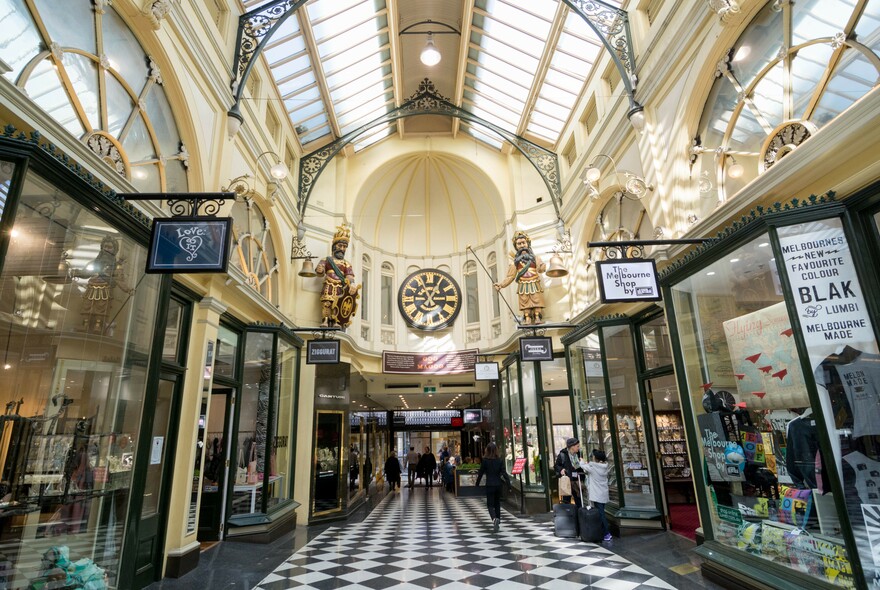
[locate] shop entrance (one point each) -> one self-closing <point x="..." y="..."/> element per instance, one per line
<point x="151" y="531"/>
<point x="217" y="466"/>
<point x="558" y="427"/>
<point x="674" y="469"/>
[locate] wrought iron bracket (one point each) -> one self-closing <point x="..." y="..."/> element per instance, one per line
<point x="541" y="329"/>
<point x="427" y="101"/>
<point x="611" y="25"/>
<point x="636" y="248"/>
<point x="186" y="204"/>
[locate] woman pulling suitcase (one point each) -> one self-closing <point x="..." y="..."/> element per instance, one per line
<point x="568" y="464"/>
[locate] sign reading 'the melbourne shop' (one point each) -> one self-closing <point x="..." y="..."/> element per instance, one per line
<point x="628" y="280"/>
<point x="189" y="244"/>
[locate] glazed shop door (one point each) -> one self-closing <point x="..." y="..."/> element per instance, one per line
<point x="558" y="423"/>
<point x="217" y="464"/>
<point x="151" y="530"/>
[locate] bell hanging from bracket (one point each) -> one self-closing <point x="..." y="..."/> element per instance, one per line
<point x="308" y="269"/>
<point x="556" y="269"/>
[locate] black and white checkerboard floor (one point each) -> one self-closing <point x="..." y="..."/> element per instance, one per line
<point x="421" y="539"/>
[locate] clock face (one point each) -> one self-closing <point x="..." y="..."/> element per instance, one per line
<point x="429" y="299"/>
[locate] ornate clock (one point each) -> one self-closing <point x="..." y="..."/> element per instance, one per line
<point x="429" y="299"/>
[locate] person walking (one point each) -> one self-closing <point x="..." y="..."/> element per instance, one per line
<point x="568" y="464"/>
<point x="392" y="471"/>
<point x="493" y="468"/>
<point x="412" y="465"/>
<point x="597" y="469"/>
<point x="427" y="465"/>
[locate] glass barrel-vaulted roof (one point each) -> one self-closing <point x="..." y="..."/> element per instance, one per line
<point x="337" y="67"/>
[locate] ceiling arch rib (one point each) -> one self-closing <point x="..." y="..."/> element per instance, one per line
<point x="520" y="65"/>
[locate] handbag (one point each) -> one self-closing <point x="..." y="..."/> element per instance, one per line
<point x="564" y="486"/>
<point x="240" y="469"/>
<point x="252" y="476"/>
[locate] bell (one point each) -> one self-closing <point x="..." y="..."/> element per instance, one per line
<point x="556" y="269"/>
<point x="308" y="269"/>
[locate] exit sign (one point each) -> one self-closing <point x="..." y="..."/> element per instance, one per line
<point x="430" y="389"/>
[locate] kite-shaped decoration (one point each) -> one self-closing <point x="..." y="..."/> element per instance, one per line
<point x="706" y="386"/>
<point x="781" y="374"/>
<point x="787" y="332"/>
<point x="759" y="394"/>
<point x="753" y="358"/>
<point x="766" y="369"/>
<point x="740" y="376"/>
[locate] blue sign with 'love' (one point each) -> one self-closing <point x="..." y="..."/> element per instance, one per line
<point x="189" y="244"/>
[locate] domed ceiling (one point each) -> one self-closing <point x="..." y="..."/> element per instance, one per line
<point x="428" y="204"/>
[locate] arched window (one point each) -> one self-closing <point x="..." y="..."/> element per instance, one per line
<point x="795" y="68"/>
<point x="622" y="218"/>
<point x="84" y="67"/>
<point x="472" y="292"/>
<point x="493" y="273"/>
<point x="366" y="270"/>
<point x="387" y="294"/>
<point x="254" y="253"/>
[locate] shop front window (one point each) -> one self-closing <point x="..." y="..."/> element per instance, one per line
<point x="516" y="432"/>
<point x="282" y="424"/>
<point x="655" y="343"/>
<point x="638" y="490"/>
<point x="758" y="432"/>
<point x="265" y="423"/>
<point x="588" y="379"/>
<point x="506" y="430"/>
<point x="530" y="420"/>
<point x="77" y="316"/>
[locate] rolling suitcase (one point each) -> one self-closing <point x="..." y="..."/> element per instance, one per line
<point x="589" y="521"/>
<point x="565" y="520"/>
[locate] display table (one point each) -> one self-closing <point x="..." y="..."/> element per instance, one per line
<point x="252" y="488"/>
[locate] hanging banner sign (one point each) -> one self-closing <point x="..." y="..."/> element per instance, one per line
<point x="486" y="371"/>
<point x="539" y="348"/>
<point x="443" y="363"/>
<point x="322" y="352"/>
<point x="825" y="287"/>
<point x="628" y="280"/>
<point x="189" y="244"/>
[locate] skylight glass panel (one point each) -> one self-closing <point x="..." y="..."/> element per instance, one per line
<point x="373" y="137"/>
<point x="572" y="61"/>
<point x="476" y="133"/>
<point x="509" y="40"/>
<point x="361" y="115"/>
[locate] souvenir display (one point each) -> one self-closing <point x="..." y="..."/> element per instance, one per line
<point x="673" y="454"/>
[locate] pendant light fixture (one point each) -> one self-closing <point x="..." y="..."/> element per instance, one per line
<point x="430" y="54"/>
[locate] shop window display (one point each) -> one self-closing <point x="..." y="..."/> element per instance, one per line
<point x="77" y="316"/>
<point x="638" y="491"/>
<point x="530" y="405"/>
<point x="768" y="477"/>
<point x="588" y="378"/>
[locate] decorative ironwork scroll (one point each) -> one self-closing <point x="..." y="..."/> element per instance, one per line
<point x="611" y="24"/>
<point x="427" y="101"/>
<point x="255" y="29"/>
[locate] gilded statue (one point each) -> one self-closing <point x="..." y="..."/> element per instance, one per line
<point x="526" y="270"/>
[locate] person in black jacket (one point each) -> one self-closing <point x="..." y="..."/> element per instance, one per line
<point x="493" y="468"/>
<point x="392" y="471"/>
<point x="568" y="464"/>
<point x="427" y="465"/>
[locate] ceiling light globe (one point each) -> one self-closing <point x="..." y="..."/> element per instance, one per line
<point x="278" y="171"/>
<point x="430" y="54"/>
<point x="736" y="170"/>
<point x="233" y="123"/>
<point x="637" y="119"/>
<point x="593" y="174"/>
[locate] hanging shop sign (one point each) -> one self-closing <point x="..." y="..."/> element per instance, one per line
<point x="322" y="352"/>
<point x="189" y="244"/>
<point x="486" y="371"/>
<point x="444" y="363"/>
<point x="474" y="416"/>
<point x="628" y="280"/>
<point x="536" y="348"/>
